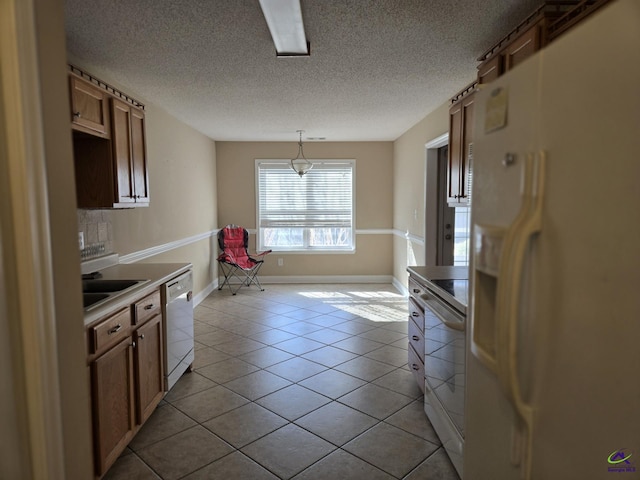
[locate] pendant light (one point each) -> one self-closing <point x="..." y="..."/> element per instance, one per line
<point x="300" y="164"/>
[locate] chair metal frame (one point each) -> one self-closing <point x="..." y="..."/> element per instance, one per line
<point x="236" y="262"/>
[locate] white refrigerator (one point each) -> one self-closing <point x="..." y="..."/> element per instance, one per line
<point x="553" y="360"/>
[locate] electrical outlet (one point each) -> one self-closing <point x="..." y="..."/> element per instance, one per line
<point x="81" y="240"/>
<point x="280" y="262"/>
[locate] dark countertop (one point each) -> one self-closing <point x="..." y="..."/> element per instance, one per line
<point x="426" y="275"/>
<point x="440" y="273"/>
<point x="155" y="273"/>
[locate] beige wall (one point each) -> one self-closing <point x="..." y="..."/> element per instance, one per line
<point x="374" y="203"/>
<point x="408" y="189"/>
<point x="182" y="188"/>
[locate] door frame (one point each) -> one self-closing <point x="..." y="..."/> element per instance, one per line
<point x="26" y="286"/>
<point x="431" y="214"/>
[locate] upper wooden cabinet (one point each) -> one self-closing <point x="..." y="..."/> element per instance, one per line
<point x="536" y="31"/>
<point x="129" y="154"/>
<point x="89" y="107"/>
<point x="519" y="47"/>
<point x="460" y="149"/>
<point x="109" y="146"/>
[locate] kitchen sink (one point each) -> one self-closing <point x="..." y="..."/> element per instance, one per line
<point x="98" y="291"/>
<point x="108" y="286"/>
<point x="89" y="299"/>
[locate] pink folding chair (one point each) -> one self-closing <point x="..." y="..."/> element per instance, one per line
<point x="235" y="261"/>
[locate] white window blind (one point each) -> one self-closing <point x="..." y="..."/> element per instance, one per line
<point x="312" y="212"/>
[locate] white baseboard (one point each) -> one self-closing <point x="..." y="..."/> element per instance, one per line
<point x="325" y="279"/>
<point x="310" y="279"/>
<point x="402" y="288"/>
<point x="275" y="279"/>
<point x="204" y="293"/>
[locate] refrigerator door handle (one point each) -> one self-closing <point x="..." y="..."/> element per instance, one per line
<point x="506" y="290"/>
<point x="527" y="223"/>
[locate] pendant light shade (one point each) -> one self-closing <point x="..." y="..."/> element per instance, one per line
<point x="300" y="164"/>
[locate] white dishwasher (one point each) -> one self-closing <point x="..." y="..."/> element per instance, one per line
<point x="177" y="302"/>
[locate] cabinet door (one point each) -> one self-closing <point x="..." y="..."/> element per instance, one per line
<point x="89" y="108"/>
<point x="130" y="154"/>
<point x="523" y="47"/>
<point x="455" y="152"/>
<point x="139" y="157"/>
<point x="460" y="138"/>
<point x="149" y="362"/>
<point x="491" y="69"/>
<point x="113" y="403"/>
<point x="121" y="139"/>
<point x="466" y="148"/>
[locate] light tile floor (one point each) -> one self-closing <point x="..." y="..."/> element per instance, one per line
<point x="298" y="381"/>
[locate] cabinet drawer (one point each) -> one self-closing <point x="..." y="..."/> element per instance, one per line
<point x="416" y="314"/>
<point x="110" y="330"/>
<point x="416" y="366"/>
<point x="415" y="289"/>
<point x="147" y="308"/>
<point x="416" y="338"/>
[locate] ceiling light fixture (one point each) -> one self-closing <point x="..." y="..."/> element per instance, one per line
<point x="300" y="164"/>
<point x="284" y="18"/>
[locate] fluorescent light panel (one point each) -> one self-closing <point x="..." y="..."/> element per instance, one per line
<point x="284" y="18"/>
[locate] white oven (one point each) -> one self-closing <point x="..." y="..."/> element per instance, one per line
<point x="444" y="363"/>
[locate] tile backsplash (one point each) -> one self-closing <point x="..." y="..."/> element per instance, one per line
<point x="98" y="232"/>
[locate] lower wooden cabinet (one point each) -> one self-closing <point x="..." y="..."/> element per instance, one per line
<point x="126" y="362"/>
<point x="112" y="398"/>
<point x="149" y="362"/>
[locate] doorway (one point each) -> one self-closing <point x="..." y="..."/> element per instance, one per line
<point x="439" y="238"/>
<point x="446" y="214"/>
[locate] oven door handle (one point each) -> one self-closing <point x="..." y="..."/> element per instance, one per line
<point x="455" y="325"/>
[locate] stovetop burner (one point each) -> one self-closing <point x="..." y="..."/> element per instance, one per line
<point x="456" y="288"/>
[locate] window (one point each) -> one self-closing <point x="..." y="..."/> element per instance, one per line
<point x="314" y="212"/>
<point x="461" y="233"/>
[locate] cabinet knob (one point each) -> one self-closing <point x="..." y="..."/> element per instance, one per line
<point x="509" y="159"/>
<point x="148" y="307"/>
<point x="141" y="337"/>
<point x="415" y="338"/>
<point x="77" y="114"/>
<point x="415" y="314"/>
<point x="415" y="367"/>
<point x="416" y="290"/>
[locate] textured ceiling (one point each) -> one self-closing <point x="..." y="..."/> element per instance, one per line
<point x="377" y="67"/>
